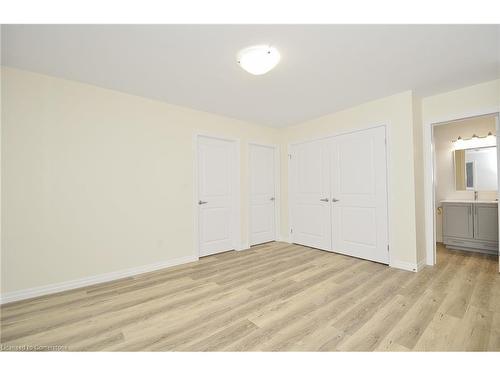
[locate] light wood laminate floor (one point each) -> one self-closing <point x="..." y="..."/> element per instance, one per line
<point x="274" y="297"/>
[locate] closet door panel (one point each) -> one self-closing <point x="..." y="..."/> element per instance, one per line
<point x="359" y="194"/>
<point x="309" y="193"/>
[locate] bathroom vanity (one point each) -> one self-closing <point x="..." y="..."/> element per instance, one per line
<point x="471" y="225"/>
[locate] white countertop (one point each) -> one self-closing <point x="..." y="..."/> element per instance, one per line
<point x="466" y="201"/>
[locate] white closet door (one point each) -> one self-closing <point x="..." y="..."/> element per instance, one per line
<point x="359" y="194"/>
<point x="310" y="192"/>
<point x="216" y="169"/>
<point x="262" y="194"/>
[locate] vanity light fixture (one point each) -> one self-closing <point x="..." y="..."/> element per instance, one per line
<point x="258" y="60"/>
<point x="475" y="141"/>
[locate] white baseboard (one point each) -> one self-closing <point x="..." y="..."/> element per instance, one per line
<point x="421" y="265"/>
<point x="407" y="266"/>
<point x="90" y="280"/>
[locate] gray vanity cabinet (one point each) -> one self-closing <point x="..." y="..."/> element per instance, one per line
<point x="471" y="226"/>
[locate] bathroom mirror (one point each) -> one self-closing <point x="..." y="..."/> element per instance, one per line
<point x="476" y="169"/>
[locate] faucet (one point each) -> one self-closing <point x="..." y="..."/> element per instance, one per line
<point x="475" y="195"/>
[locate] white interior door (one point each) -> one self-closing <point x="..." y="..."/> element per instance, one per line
<point x="310" y="194"/>
<point x="216" y="195"/>
<point x="359" y="194"/>
<point x="262" y="194"/>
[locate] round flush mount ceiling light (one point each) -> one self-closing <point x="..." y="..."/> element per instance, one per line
<point x="258" y="60"/>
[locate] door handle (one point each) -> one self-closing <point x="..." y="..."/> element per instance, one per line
<point x="202" y="202"/>
<point x="324" y="200"/>
<point x="335" y="200"/>
<point x="272" y="198"/>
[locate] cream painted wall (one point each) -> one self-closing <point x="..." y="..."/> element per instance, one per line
<point x="90" y="173"/>
<point x="465" y="102"/>
<point x="96" y="181"/>
<point x="418" y="165"/>
<point x="396" y="113"/>
<point x="444" y="173"/>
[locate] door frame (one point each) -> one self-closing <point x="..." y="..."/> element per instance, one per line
<point x="277" y="200"/>
<point x="386" y="127"/>
<point x="236" y="214"/>
<point x="429" y="170"/>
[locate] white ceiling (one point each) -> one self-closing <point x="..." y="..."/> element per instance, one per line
<point x="323" y="69"/>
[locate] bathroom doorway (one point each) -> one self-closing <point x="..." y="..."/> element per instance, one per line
<point x="465" y="188"/>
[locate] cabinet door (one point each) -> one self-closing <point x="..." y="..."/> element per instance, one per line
<point x="486" y="222"/>
<point x="457" y="220"/>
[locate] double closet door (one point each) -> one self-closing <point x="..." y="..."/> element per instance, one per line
<point x="338" y="194"/>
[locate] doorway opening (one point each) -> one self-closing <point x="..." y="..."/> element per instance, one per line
<point x="465" y="189"/>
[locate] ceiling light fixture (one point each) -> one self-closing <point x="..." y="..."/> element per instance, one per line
<point x="258" y="60"/>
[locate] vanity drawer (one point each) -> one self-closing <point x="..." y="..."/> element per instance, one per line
<point x="480" y="245"/>
<point x="457" y="242"/>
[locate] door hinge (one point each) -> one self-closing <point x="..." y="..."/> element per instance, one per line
<point x="387" y="247"/>
<point x="291" y="230"/>
<point x="289" y="156"/>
